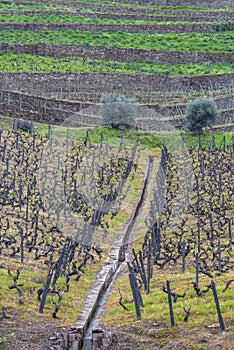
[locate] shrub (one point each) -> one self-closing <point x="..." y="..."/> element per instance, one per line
<point x="224" y="26"/>
<point x="200" y="113"/>
<point x="118" y="111"/>
<point x="24" y="125"/>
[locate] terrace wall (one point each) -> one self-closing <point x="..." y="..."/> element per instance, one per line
<point x="52" y="111"/>
<point x="53" y="83"/>
<point x="42" y="105"/>
<point x="194" y="3"/>
<point x="178" y="123"/>
<point x="118" y="54"/>
<point x="189" y="3"/>
<point x="39" y="109"/>
<point x="182" y="16"/>
<point x="129" y="28"/>
<point x="222" y="103"/>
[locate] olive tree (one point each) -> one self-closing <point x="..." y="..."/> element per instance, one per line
<point x="200" y="113"/>
<point x="117" y="111"/>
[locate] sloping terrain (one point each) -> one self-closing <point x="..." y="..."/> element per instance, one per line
<point x="57" y="58"/>
<point x="152" y="43"/>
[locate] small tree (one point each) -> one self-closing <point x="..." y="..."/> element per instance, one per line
<point x="118" y="111"/>
<point x="200" y="113"/>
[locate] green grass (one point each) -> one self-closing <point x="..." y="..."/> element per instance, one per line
<point x="213" y="42"/>
<point x="113" y="136"/>
<point x="32" y="63"/>
<point x="191" y="140"/>
<point x="33" y="275"/>
<point x="5" y="340"/>
<point x="156" y="309"/>
<point x="203" y="311"/>
<point x="146" y="139"/>
<point x="66" y="18"/>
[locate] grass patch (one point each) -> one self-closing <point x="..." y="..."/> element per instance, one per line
<point x="207" y="42"/>
<point x="67" y="18"/>
<point x="145" y="139"/>
<point x="203" y="311"/>
<point x="31" y="63"/>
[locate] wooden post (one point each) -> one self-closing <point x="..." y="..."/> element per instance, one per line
<point x="197" y="270"/>
<point x="46" y="289"/>
<point x="221" y="323"/>
<point x="170" y="303"/>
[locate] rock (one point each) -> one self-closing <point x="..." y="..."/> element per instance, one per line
<point x="214" y="325"/>
<point x="52" y="338"/>
<point x="155" y="324"/>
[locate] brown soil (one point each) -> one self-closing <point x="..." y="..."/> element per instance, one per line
<point x="144" y="336"/>
<point x="27" y="331"/>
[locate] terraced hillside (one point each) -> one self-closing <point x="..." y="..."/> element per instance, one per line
<point x="75" y="200"/>
<point x="162" y="55"/>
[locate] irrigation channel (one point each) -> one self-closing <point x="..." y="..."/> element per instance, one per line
<point x="87" y="334"/>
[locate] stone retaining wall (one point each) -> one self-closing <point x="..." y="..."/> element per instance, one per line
<point x="194" y="3"/>
<point x="189" y="3"/>
<point x="43" y="105"/>
<point x="118" y="54"/>
<point x="222" y="103"/>
<point x="40" y="109"/>
<point x="57" y="112"/>
<point x="144" y="15"/>
<point x="143" y="84"/>
<point x="225" y="117"/>
<point x="130" y="28"/>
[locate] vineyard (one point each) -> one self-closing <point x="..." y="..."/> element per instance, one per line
<point x="116" y="46"/>
<point x="115" y="239"/>
<point x="188" y="245"/>
<point x="60" y="213"/>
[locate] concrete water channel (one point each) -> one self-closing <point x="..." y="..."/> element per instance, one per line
<point x="87" y="334"/>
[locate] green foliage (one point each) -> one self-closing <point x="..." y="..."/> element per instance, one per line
<point x="3" y="340"/>
<point x="146" y="139"/>
<point x="33" y="63"/>
<point x="200" y="113"/>
<point x="225" y="26"/>
<point x="12" y="6"/>
<point x="69" y="18"/>
<point x="118" y="111"/>
<point x="207" y="42"/>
